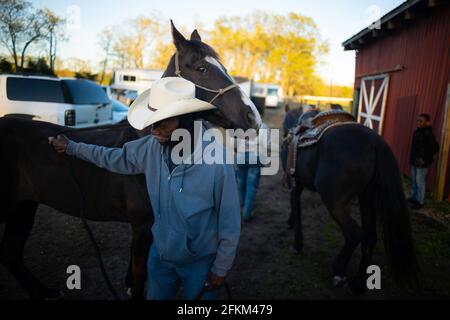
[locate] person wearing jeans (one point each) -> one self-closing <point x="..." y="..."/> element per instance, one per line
<point x="248" y="180"/>
<point x="419" y="178"/>
<point x="195" y="205"/>
<point x="248" y="172"/>
<point x="423" y="149"/>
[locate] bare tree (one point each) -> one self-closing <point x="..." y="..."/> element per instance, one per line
<point x="106" y="38"/>
<point x="134" y="38"/>
<point x="20" y="26"/>
<point x="54" y="32"/>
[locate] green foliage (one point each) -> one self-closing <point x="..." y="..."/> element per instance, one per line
<point x="283" y="49"/>
<point x="325" y="90"/>
<point x="267" y="47"/>
<point x="22" y="25"/>
<point x="6" y="66"/>
<point x="39" y="66"/>
<point x="434" y="243"/>
<point x="86" y="75"/>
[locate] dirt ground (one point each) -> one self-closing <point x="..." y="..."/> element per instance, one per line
<point x="265" y="267"/>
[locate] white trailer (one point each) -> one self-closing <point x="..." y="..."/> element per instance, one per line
<point x="128" y="83"/>
<point x="269" y="92"/>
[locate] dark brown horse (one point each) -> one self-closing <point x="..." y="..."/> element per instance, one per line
<point x="352" y="161"/>
<point x="32" y="172"/>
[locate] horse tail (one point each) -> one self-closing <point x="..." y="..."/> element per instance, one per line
<point x="393" y="210"/>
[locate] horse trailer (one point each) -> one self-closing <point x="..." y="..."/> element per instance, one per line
<point x="268" y="93"/>
<point x="128" y="83"/>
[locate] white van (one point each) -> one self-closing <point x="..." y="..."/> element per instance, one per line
<point x="271" y="93"/>
<point x="70" y="102"/>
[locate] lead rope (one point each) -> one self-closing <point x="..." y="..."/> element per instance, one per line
<point x="219" y="92"/>
<point x="89" y="231"/>
<point x="205" y="288"/>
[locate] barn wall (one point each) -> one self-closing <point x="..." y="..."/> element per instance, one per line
<point x="423" y="49"/>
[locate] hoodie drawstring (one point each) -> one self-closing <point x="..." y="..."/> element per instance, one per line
<point x="182" y="178"/>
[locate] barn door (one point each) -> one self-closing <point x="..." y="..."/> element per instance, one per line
<point x="372" y="101"/>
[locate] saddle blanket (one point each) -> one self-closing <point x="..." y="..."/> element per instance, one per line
<point x="312" y="136"/>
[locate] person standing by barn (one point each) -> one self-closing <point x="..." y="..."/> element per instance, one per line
<point x="423" y="149"/>
<point x="196" y="205"/>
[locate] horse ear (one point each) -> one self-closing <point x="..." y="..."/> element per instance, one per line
<point x="195" y="35"/>
<point x="178" y="39"/>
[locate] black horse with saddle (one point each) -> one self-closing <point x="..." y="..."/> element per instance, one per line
<point x="330" y="153"/>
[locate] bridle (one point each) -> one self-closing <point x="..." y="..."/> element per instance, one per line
<point x="219" y="92"/>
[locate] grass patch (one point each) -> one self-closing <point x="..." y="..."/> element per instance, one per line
<point x="442" y="206"/>
<point x="434" y="243"/>
<point x="331" y="234"/>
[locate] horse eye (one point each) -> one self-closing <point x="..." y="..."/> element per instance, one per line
<point x="202" y="69"/>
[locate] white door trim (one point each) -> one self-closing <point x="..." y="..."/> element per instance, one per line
<point x="370" y="102"/>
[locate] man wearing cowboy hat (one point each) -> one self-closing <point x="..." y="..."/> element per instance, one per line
<point x="196" y="206"/>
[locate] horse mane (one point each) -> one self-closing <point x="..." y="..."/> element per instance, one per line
<point x="291" y="118"/>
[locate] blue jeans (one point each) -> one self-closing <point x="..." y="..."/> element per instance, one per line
<point x="165" y="278"/>
<point x="419" y="184"/>
<point x="248" y="180"/>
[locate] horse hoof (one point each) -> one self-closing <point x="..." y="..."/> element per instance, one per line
<point x="53" y="294"/>
<point x="339" y="281"/>
<point x="129" y="292"/>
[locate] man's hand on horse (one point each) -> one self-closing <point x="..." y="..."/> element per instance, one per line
<point x="60" y="143"/>
<point x="214" y="281"/>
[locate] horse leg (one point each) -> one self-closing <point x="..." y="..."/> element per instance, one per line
<point x="18" y="227"/>
<point x="352" y="235"/>
<point x="294" y="200"/>
<point x="296" y="218"/>
<point x="142" y="240"/>
<point x="368" y="242"/>
<point x="129" y="275"/>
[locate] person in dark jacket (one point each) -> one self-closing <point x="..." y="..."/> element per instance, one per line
<point x="423" y="149"/>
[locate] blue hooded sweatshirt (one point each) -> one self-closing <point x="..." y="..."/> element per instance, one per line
<point x="196" y="206"/>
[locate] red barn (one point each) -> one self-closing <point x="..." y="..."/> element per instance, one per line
<point x="402" y="70"/>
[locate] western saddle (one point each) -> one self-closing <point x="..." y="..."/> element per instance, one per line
<point x="308" y="132"/>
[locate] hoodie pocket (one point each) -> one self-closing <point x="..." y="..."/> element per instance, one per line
<point x="177" y="248"/>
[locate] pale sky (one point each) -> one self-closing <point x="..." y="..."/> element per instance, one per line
<point x="337" y="20"/>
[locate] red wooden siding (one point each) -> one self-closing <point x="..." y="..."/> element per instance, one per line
<point x="423" y="49"/>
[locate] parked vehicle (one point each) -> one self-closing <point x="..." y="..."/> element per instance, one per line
<point x="108" y="92"/>
<point x="271" y="94"/>
<point x="120" y="110"/>
<point x="127" y="84"/>
<point x="71" y="102"/>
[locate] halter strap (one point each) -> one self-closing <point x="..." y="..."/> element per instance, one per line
<point x="219" y="92"/>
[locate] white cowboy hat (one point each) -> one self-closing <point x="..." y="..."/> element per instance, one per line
<point x="168" y="97"/>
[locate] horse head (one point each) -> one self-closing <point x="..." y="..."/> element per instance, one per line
<point x="290" y="119"/>
<point x="305" y="119"/>
<point x="196" y="61"/>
